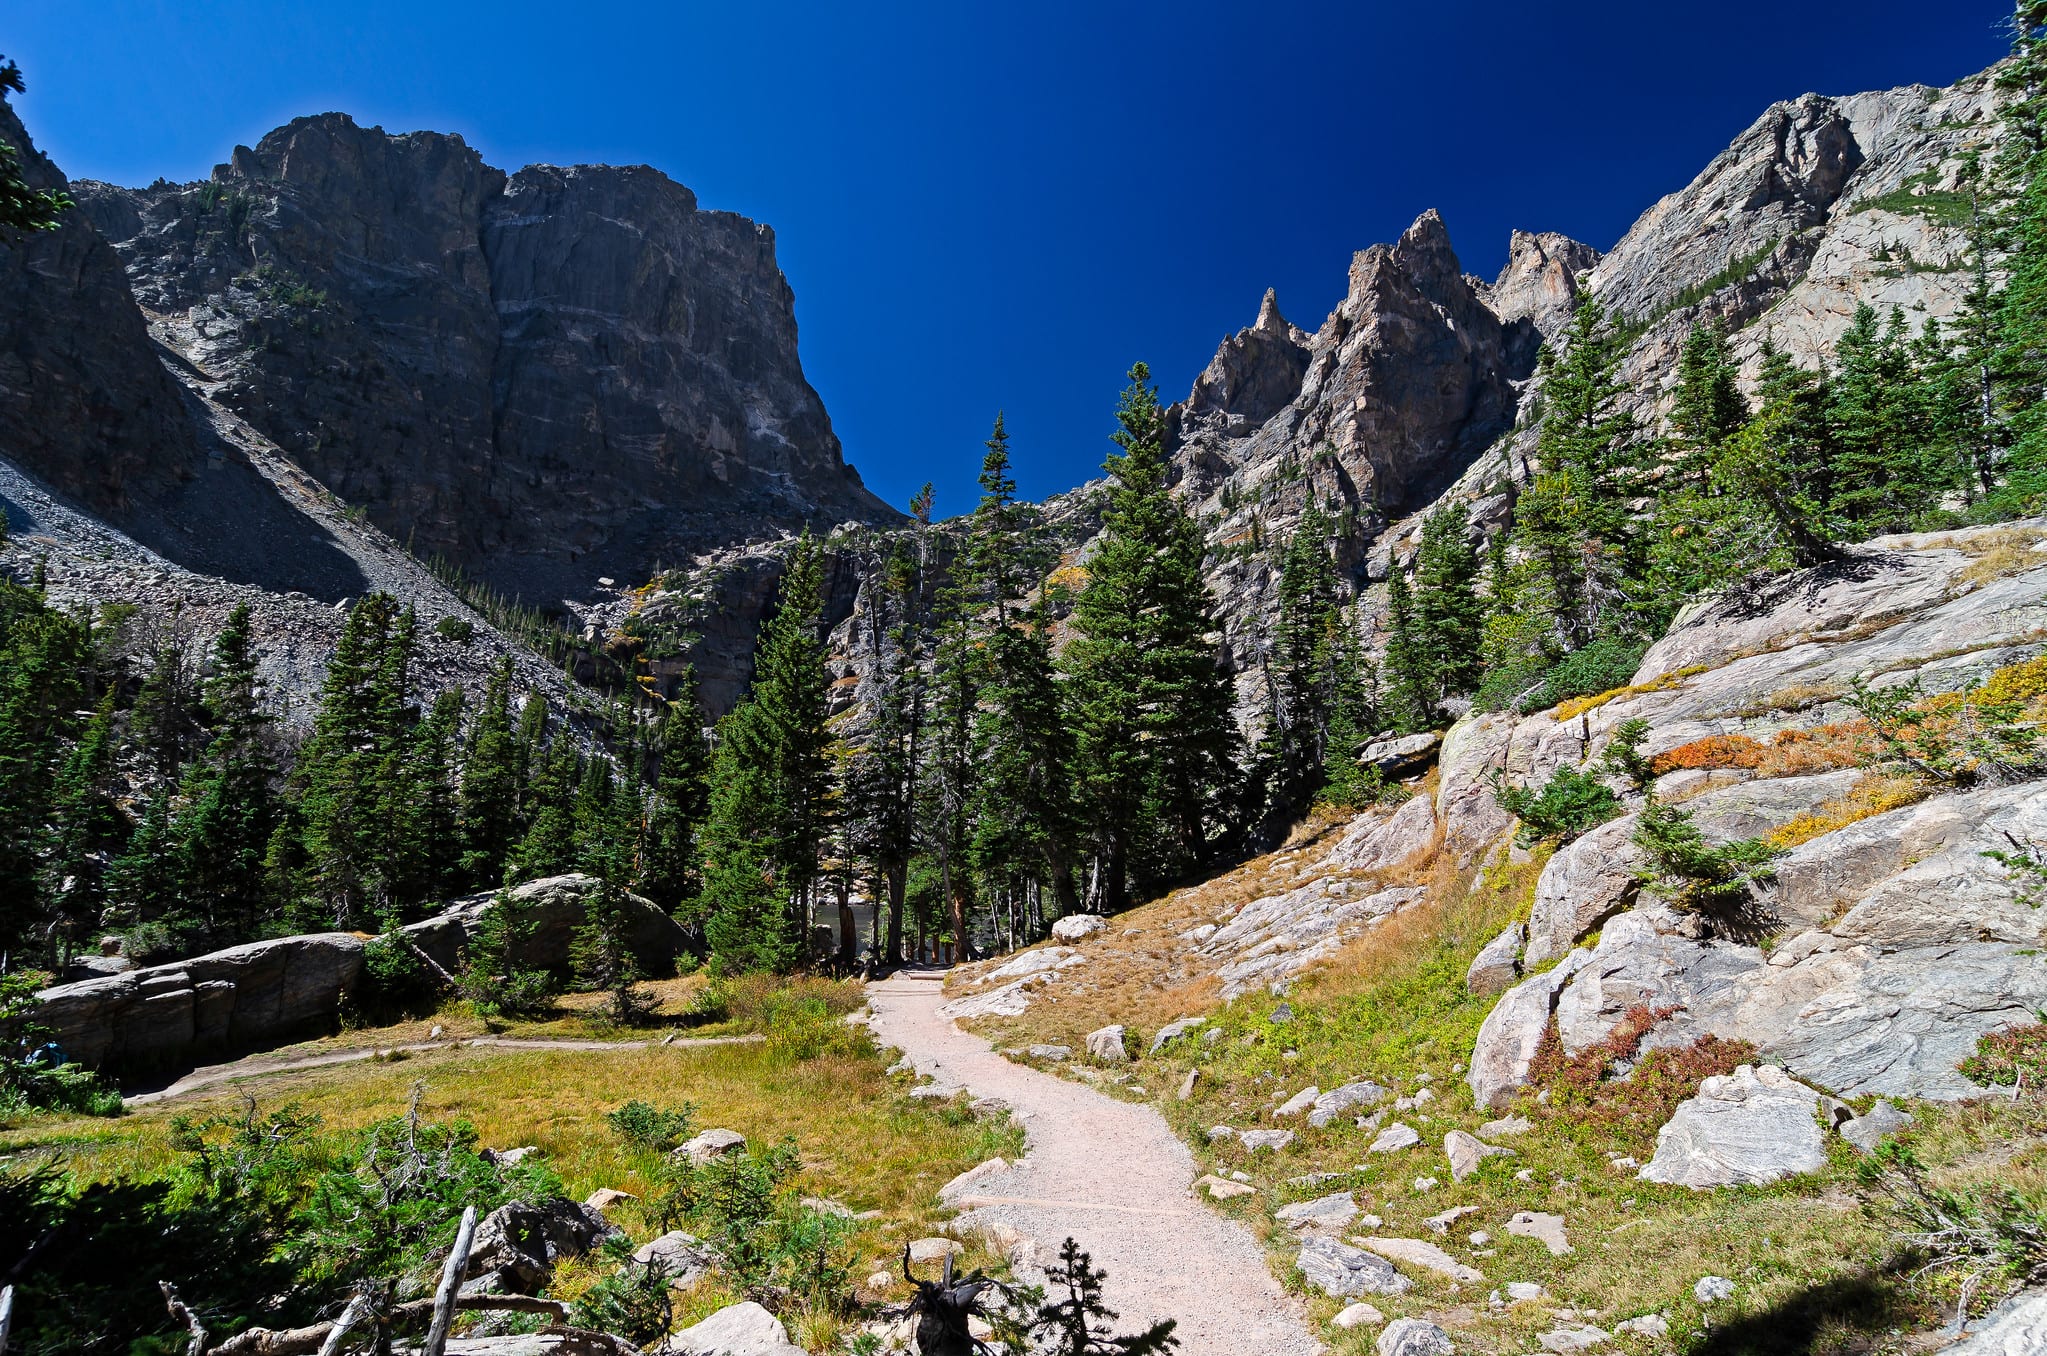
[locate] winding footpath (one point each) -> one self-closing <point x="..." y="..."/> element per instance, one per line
<point x="1114" y="1176"/>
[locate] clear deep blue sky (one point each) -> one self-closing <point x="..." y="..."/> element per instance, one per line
<point x="1001" y="206"/>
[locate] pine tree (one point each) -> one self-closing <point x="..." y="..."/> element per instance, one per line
<point x="1411" y="676"/>
<point x="145" y="883"/>
<point x="1154" y="735"/>
<point x="492" y="778"/>
<point x="230" y="804"/>
<point x="769" y="787"/>
<point x="881" y="775"/>
<point x="1887" y="469"/>
<point x="1448" y="615"/>
<point x="958" y="672"/>
<point x="1708" y="406"/>
<point x="1300" y="666"/>
<point x="1354" y="717"/>
<point x="83" y="825"/>
<point x="548" y="847"/>
<point x="2020" y="360"/>
<point x="44" y="658"/>
<point x="673" y="869"/>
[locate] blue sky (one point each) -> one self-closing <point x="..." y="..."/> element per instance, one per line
<point x="999" y="206"/>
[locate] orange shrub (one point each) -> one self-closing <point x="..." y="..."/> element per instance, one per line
<point x="1792" y="753"/>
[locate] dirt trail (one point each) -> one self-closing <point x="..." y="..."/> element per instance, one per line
<point x="264" y="1066"/>
<point x="1114" y="1176"/>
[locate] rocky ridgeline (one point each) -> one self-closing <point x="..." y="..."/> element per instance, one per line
<point x="1893" y="942"/>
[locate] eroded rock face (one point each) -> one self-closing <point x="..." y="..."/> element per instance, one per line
<point x="1513" y="1029"/>
<point x="418" y="330"/>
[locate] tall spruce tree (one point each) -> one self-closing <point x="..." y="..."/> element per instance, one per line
<point x="230" y="801"/>
<point x="673" y="868"/>
<point x="881" y="777"/>
<point x="1448" y="616"/>
<point x="1411" y="671"/>
<point x="492" y="777"/>
<point x="1708" y="407"/>
<point x="1301" y="664"/>
<point x="1154" y="736"/>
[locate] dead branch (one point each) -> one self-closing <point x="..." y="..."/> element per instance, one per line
<point x="6" y="1316"/>
<point x="184" y="1315"/>
<point x="309" y="1340"/>
<point x="451" y="1281"/>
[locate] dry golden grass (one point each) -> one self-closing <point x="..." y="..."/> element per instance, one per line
<point x="1994" y="555"/>
<point x="1573" y="707"/>
<point x="862" y="1141"/>
<point x="1873" y="794"/>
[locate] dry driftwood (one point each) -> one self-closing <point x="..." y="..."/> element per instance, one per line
<point x="308" y="1340"/>
<point x="6" y="1316"/>
<point x="451" y="1281"/>
<point x="185" y="1316"/>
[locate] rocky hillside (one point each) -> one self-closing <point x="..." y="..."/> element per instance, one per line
<point x="1593" y="1049"/>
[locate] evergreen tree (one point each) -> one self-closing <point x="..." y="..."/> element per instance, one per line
<point x="44" y="659"/>
<point x="230" y="804"/>
<point x="769" y="787"/>
<point x="881" y="776"/>
<point x="429" y="821"/>
<point x="1154" y="735"/>
<point x="83" y="826"/>
<point x="1448" y="616"/>
<point x="492" y="778"/>
<point x="145" y="884"/>
<point x="22" y="208"/>
<point x="1888" y="471"/>
<point x="958" y="672"/>
<point x="1301" y="664"/>
<point x="548" y="847"/>
<point x="1411" y="674"/>
<point x="2020" y="360"/>
<point x="1708" y="406"/>
<point x="1353" y="719"/>
<point x="672" y="871"/>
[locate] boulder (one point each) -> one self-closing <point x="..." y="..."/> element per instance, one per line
<point x="1172" y="1031"/>
<point x="1419" y="1253"/>
<point x="683" y="1259"/>
<point x="1867" y="1131"/>
<point x="1273" y="1140"/>
<point x="1341" y="1271"/>
<point x="737" y="1330"/>
<point x="551" y="910"/>
<point x="1328" y="1214"/>
<point x="980" y="1172"/>
<point x="167" y="1016"/>
<point x="1466" y="1151"/>
<point x="603" y="1198"/>
<point x="1223" y="1189"/>
<point x="1512" y="1030"/>
<point x="2018" y="1327"/>
<point x="1394" y="1138"/>
<point x="1341" y="1101"/>
<point x="1414" y="1337"/>
<point x="1746" y="1128"/>
<point x="1078" y="927"/>
<point x="517" y="1244"/>
<point x="1035" y="962"/>
<point x="1374" y="844"/>
<point x="1498" y="963"/>
<point x="1472" y="749"/>
<point x="1053" y="1053"/>
<point x="1106" y="1045"/>
<point x="930" y="1251"/>
<point x="1712" y="1289"/>
<point x="710" y="1144"/>
<point x="1590" y="881"/>
<point x="1299" y="1102"/>
<point x="1573" y="1338"/>
<point x="1358" y="1315"/>
<point x="1401" y="756"/>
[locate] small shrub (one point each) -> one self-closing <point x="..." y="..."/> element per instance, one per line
<point x="1616" y="1087"/>
<point x="1955" y="738"/>
<point x="2009" y="1058"/>
<point x="651" y="1129"/>
<point x="457" y="629"/>
<point x="1992" y="1241"/>
<point x="394" y="981"/>
<point x="633" y="1301"/>
<point x="1872" y="794"/>
<point x="33" y="1073"/>
<point x="1604" y="666"/>
<point x="1571" y="802"/>
<point x="492" y="979"/>
<point x="1720" y="883"/>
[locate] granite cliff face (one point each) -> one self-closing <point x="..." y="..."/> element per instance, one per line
<point x="547" y="377"/>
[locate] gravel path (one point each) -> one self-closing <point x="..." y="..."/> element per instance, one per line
<point x="264" y="1066"/>
<point x="1114" y="1176"/>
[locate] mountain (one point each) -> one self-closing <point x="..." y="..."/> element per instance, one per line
<point x="546" y="377"/>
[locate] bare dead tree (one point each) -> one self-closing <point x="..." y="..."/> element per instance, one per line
<point x="451" y="1281"/>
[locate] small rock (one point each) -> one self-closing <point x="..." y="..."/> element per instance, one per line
<point x="1866" y="1132"/>
<point x="1338" y="1101"/>
<point x="1218" y="1132"/>
<point x="1525" y="1175"/>
<point x="1212" y="1035"/>
<point x="508" y="1157"/>
<point x="1077" y="927"/>
<point x="906" y="1066"/>
<point x="738" y="1328"/>
<point x="710" y="1144"/>
<point x="1623" y="1162"/>
<point x="1547" y="1230"/>
<point x="603" y="1198"/>
<point x="435" y="1032"/>
<point x="1414" y="1337"/>
<point x="1394" y="1138"/>
<point x="1299" y="1102"/>
<point x="1648" y="1325"/>
<point x="925" y="1251"/>
<point x="1282" y="1014"/>
<point x="1222" y="1189"/>
<point x="1422" y="1184"/>
<point x="1416" y="1252"/>
<point x="1186" y="1090"/>
<point x="1441" y="1223"/>
<point x="1506" y="1125"/>
<point x="979" y="1172"/>
<point x="1274" y="1140"/>
<point x="824" y="1205"/>
<point x="1523" y="1291"/>
<point x="1049" y="1052"/>
<point x="1566" y="1341"/>
<point x="988" y="1108"/>
<point x="1341" y="1271"/>
<point x="1330" y="1213"/>
<point x="1478" y="1238"/>
<point x="1466" y="1152"/>
<point x="1358" y="1315"/>
<point x="879" y="1281"/>
<point x="1106" y="1045"/>
<point x="684" y="1259"/>
<point x="1172" y="1031"/>
<point x="1712" y="1289"/>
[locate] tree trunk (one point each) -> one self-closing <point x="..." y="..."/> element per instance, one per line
<point x="898" y="887"/>
<point x="849" y="937"/>
<point x="451" y="1281"/>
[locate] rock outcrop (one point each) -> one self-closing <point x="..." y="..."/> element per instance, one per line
<point x="418" y="331"/>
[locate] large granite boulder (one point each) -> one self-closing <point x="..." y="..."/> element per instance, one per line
<point x="552" y="909"/>
<point x="518" y="1244"/>
<point x="1747" y="1128"/>
<point x="1508" y="1038"/>
<point x="244" y="998"/>
<point x="737" y="1330"/>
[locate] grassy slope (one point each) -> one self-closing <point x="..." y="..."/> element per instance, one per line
<point x="863" y="1143"/>
<point x="1809" y="1259"/>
